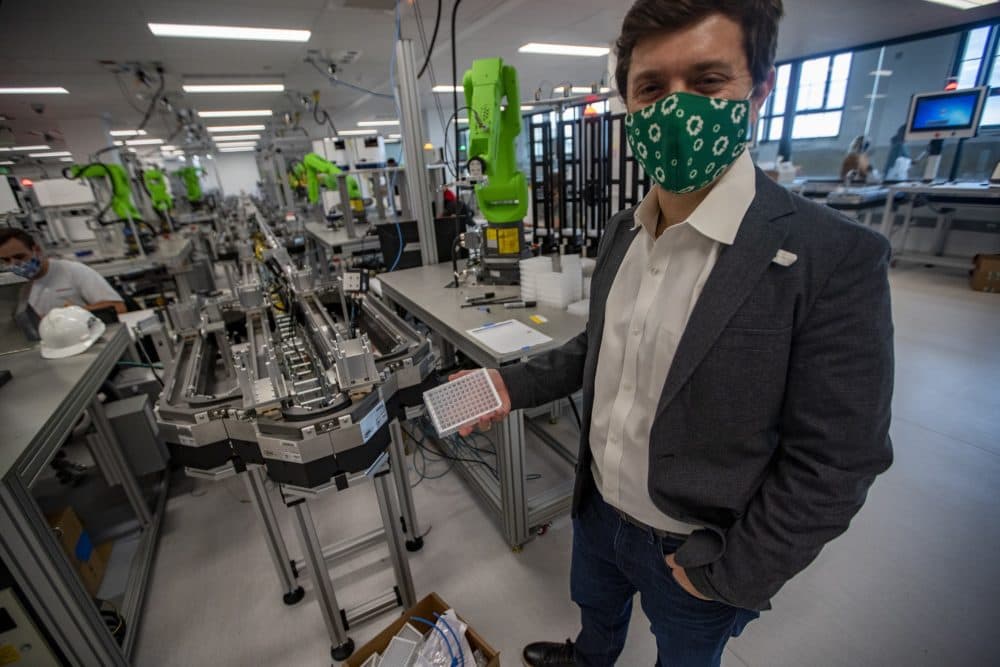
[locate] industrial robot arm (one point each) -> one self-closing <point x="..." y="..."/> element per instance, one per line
<point x="191" y="183"/>
<point x="501" y="190"/>
<point x="315" y="165"/>
<point x="121" y="193"/>
<point x="156" y="185"/>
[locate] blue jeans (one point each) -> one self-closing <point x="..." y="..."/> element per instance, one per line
<point x="612" y="560"/>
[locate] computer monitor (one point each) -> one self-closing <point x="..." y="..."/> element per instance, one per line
<point x="951" y="114"/>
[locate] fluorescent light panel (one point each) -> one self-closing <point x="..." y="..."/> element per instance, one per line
<point x="228" y="32"/>
<point x="580" y="90"/>
<point x="377" y="123"/>
<point x="139" y="142"/>
<point x="236" y="113"/>
<point x="35" y="90"/>
<point x="65" y="159"/>
<point x="127" y="133"/>
<point x="527" y="107"/>
<point x="6" y="163"/>
<point x="236" y="149"/>
<point x="235" y="137"/>
<point x="395" y="136"/>
<point x="55" y="154"/>
<point x="356" y="133"/>
<point x="237" y="143"/>
<point x="964" y="4"/>
<point x="564" y="49"/>
<point x="880" y="72"/>
<point x="444" y="88"/>
<point x="235" y="128"/>
<point x="234" y="88"/>
<point x="22" y="149"/>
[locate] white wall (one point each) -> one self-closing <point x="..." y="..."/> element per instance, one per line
<point x="237" y="172"/>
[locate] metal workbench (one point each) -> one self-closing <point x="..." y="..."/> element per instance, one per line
<point x="339" y="242"/>
<point x="171" y="253"/>
<point x="949" y="196"/>
<point x="423" y="293"/>
<point x="38" y="408"/>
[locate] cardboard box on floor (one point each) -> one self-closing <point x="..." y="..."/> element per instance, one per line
<point x="425" y="609"/>
<point x="985" y="275"/>
<point x="89" y="562"/>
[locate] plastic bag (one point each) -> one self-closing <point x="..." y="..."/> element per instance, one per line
<point x="446" y="642"/>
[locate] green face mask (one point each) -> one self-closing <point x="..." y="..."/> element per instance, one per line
<point x="685" y="141"/>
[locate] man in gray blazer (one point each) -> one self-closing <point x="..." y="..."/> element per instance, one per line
<point x="737" y="364"/>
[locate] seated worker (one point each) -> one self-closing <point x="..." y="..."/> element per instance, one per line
<point x="54" y="282"/>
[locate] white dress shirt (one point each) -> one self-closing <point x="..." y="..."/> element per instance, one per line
<point x="657" y="287"/>
<point x="69" y="282"/>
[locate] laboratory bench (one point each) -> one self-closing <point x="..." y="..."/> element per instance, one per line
<point x="39" y="408"/>
<point x="427" y="294"/>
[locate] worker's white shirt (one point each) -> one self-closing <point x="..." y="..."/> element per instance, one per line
<point x="69" y="281"/>
<point x="657" y="287"/>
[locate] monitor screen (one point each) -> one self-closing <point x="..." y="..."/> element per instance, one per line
<point x="953" y="114"/>
<point x="954" y="111"/>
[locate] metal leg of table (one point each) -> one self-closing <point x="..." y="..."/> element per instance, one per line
<point x="341" y="646"/>
<point x="510" y="464"/>
<point x="394" y="538"/>
<point x="888" y="213"/>
<point x="254" y="480"/>
<point x="907" y="219"/>
<point x="121" y="467"/>
<point x="941" y="230"/>
<point x="408" y="511"/>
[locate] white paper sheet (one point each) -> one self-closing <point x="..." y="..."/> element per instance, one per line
<point x="508" y="336"/>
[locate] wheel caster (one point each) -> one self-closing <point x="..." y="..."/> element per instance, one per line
<point x="541" y="530"/>
<point x="517" y="549"/>
<point x="415" y="544"/>
<point x="344" y="651"/>
<point x="294" y="597"/>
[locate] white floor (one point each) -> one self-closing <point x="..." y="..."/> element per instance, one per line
<point x="913" y="582"/>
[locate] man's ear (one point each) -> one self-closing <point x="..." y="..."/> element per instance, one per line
<point x="760" y="94"/>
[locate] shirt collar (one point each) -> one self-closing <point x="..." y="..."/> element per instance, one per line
<point x="720" y="214"/>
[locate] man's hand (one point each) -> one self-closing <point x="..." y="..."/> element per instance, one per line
<point x="680" y="576"/>
<point x="486" y="422"/>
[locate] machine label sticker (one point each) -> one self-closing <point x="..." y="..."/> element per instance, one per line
<point x="290" y="452"/>
<point x="509" y="244"/>
<point x="373" y="421"/>
<point x="9" y="655"/>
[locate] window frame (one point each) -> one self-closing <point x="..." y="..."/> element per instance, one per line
<point x="825" y="108"/>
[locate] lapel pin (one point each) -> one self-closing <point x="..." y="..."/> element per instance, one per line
<point x="784" y="258"/>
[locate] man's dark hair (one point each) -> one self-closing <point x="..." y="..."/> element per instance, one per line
<point x="8" y="233"/>
<point x="759" y="19"/>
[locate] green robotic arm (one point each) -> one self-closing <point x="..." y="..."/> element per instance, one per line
<point x="315" y="165"/>
<point x="191" y="183"/>
<point x="156" y="185"/>
<point x="121" y="193"/>
<point x="503" y="195"/>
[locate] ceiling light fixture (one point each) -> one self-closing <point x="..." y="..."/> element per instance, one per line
<point x="35" y="90"/>
<point x="231" y="144"/>
<point x="228" y="32"/>
<point x="237" y="113"/>
<point x="964" y="4"/>
<point x="235" y="137"/>
<point x="377" y="123"/>
<point x="445" y="88"/>
<point x="127" y="133"/>
<point x="564" y="49"/>
<point x="6" y="163"/>
<point x="395" y="136"/>
<point x="527" y="107"/>
<point x="235" y="128"/>
<point x="234" y="88"/>
<point x="65" y="159"/>
<point x="237" y="149"/>
<point x="139" y="142"/>
<point x="21" y="149"/>
<point x="880" y="72"/>
<point x="357" y="133"/>
<point x="55" y="154"/>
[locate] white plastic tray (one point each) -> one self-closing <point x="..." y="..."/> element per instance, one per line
<point x="461" y="402"/>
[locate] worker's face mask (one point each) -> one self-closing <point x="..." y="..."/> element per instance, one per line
<point x="686" y="141"/>
<point x="27" y="269"/>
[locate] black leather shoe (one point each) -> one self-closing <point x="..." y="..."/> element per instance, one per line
<point x="549" y="654"/>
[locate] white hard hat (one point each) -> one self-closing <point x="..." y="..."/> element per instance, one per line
<point x="68" y="331"/>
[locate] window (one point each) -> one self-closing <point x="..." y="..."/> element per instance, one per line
<point x="972" y="57"/>
<point x="819" y="105"/>
<point x="772" y="115"/>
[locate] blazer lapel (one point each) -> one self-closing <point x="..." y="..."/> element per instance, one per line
<point x="732" y="279"/>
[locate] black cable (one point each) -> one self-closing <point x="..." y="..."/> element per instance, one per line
<point x="430" y="49"/>
<point x="152" y="103"/>
<point x="145" y="356"/>
<point x="454" y="82"/>
<point x="576" y="413"/>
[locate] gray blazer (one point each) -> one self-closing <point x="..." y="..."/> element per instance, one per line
<point x="774" y="417"/>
